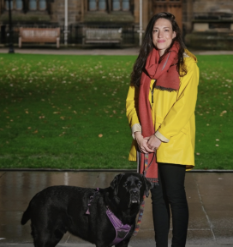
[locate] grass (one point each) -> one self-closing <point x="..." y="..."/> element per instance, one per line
<point x="69" y="112"/>
<point x="214" y="113"/>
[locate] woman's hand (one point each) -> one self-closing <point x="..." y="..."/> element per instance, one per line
<point x="153" y="142"/>
<point x="142" y="143"/>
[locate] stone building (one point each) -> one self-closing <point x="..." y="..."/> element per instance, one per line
<point x="210" y="22"/>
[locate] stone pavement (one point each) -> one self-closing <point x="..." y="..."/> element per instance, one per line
<point x="209" y="194"/>
<point x="209" y="197"/>
<point x="94" y="51"/>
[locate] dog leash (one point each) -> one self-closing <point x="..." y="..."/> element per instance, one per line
<point x="142" y="206"/>
<point x="136" y="230"/>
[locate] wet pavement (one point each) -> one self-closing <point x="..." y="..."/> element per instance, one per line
<point x="209" y="194"/>
<point x="209" y="197"/>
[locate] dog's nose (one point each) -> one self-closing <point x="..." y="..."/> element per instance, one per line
<point x="135" y="191"/>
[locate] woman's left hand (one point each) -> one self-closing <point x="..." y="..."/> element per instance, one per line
<point x="153" y="142"/>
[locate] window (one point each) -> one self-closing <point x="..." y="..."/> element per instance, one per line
<point x="32" y="5"/>
<point x="97" y="5"/>
<point x="19" y="4"/>
<point x="92" y="5"/>
<point x="102" y="4"/>
<point x="42" y="4"/>
<point x="116" y="5"/>
<point x="125" y="5"/>
<point x="120" y="5"/>
<point x="8" y="5"/>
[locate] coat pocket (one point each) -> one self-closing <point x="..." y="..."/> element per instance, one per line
<point x="186" y="129"/>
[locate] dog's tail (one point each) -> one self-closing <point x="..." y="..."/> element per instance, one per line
<point x="26" y="215"/>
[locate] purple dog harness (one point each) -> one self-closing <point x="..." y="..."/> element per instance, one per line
<point x="121" y="230"/>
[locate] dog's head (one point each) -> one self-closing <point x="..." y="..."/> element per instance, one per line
<point x="130" y="188"/>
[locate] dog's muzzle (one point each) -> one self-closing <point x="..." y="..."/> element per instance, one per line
<point x="135" y="197"/>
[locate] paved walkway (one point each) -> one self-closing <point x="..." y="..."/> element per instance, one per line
<point x="125" y="51"/>
<point x="209" y="197"/>
<point x="209" y="194"/>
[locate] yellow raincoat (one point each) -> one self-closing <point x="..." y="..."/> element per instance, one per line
<point x="173" y="117"/>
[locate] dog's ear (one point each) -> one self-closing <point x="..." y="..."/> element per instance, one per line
<point x="115" y="182"/>
<point x="148" y="186"/>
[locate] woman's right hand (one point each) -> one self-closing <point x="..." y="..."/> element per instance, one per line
<point x="142" y="143"/>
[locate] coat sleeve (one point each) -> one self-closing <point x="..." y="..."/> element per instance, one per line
<point x="184" y="107"/>
<point x="131" y="108"/>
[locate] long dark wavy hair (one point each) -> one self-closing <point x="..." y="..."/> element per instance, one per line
<point x="147" y="46"/>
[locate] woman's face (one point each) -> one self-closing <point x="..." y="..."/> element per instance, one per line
<point x="162" y="35"/>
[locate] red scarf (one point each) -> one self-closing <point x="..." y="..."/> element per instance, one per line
<point x="167" y="78"/>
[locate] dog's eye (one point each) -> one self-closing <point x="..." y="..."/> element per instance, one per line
<point x="139" y="184"/>
<point x="125" y="184"/>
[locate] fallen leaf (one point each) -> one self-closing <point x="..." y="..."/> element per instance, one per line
<point x="222" y="113"/>
<point x="62" y="133"/>
<point x="100" y="135"/>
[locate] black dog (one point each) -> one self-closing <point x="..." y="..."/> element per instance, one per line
<point x="82" y="211"/>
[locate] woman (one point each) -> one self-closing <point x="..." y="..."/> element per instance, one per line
<point x="160" y="108"/>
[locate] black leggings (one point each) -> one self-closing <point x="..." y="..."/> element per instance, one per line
<point x="171" y="192"/>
